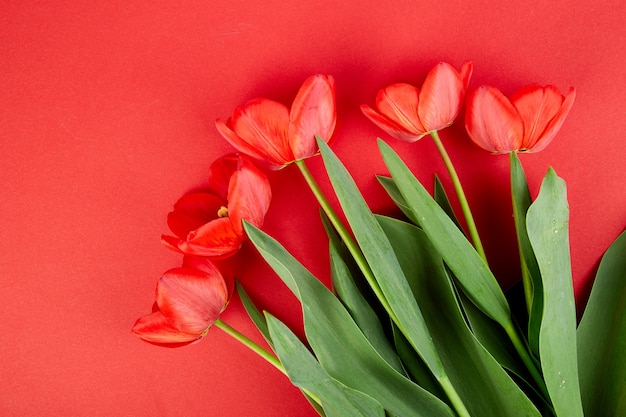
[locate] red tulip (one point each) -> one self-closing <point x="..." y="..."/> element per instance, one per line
<point x="408" y="113"/>
<point x="271" y="133"/>
<point x="210" y="223"/>
<point x="528" y="122"/>
<point x="189" y="299"/>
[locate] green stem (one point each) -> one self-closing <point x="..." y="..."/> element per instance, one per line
<point x="456" y="401"/>
<point x="345" y="235"/>
<point x="263" y="353"/>
<point x="469" y="219"/>
<point x="251" y="344"/>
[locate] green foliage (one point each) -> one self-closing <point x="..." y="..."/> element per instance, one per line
<point x="547" y="225"/>
<point x="601" y="337"/>
<point x="338" y="343"/>
<point x="417" y="325"/>
<point x="473" y="274"/>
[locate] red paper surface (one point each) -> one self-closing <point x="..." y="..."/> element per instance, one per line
<point x="107" y="117"/>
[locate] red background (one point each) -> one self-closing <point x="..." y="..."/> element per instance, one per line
<point x="106" y="118"/>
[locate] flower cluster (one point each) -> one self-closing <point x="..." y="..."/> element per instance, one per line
<point x="208" y="225"/>
<point x="417" y="323"/>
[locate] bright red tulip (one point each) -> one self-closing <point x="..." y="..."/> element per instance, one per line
<point x="271" y="133"/>
<point x="408" y="113"/>
<point x="210" y="223"/>
<point x="527" y="122"/>
<point x="189" y="299"/>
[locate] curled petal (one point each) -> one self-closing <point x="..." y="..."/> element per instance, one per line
<point x="441" y="96"/>
<point x="216" y="239"/>
<point x="399" y="103"/>
<point x="261" y="130"/>
<point x="242" y="146"/>
<point x="313" y="113"/>
<point x="192" y="211"/>
<point x="543" y="110"/>
<point x="191" y="300"/>
<point x="249" y="196"/>
<point x="172" y="243"/>
<point x="397" y="112"/>
<point x="155" y="328"/>
<point x="220" y="172"/>
<point x="492" y="122"/>
<point x="389" y="126"/>
<point x="466" y="73"/>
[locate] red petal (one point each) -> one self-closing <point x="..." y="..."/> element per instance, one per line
<point x="492" y="122"/>
<point x="191" y="300"/>
<point x="262" y="125"/>
<point x="543" y="110"/>
<point x="220" y="172"/>
<point x="249" y="196"/>
<point x="155" y="328"/>
<point x="204" y="264"/>
<point x="217" y="239"/>
<point x="313" y="112"/>
<point x="441" y="97"/>
<point x="192" y="211"/>
<point x="172" y="242"/>
<point x="466" y="73"/>
<point x="536" y="106"/>
<point x="399" y="103"/>
<point x="238" y="143"/>
<point x="389" y="126"/>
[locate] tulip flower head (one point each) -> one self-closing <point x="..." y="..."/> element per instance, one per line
<point x="277" y="136"/>
<point x="190" y="299"/>
<point x="408" y="113"/>
<point x="527" y="122"/>
<point x="210" y="223"/>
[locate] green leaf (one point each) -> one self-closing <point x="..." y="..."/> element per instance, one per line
<point x="496" y="341"/>
<point x="360" y="310"/>
<point x="442" y="199"/>
<point x="521" y="202"/>
<point x="392" y="190"/>
<point x="381" y="259"/>
<point x="259" y="320"/>
<point x="547" y="225"/>
<point x="601" y="337"/>
<point x="306" y="373"/>
<point x="493" y="338"/>
<point x="257" y="317"/>
<point x="473" y="274"/>
<point x="485" y="388"/>
<point x="416" y="367"/>
<point x="339" y="344"/>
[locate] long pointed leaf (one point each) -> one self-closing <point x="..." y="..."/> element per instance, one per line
<point x="475" y="278"/>
<point x="360" y="310"/>
<point x="306" y="373"/>
<point x="381" y="259"/>
<point x="601" y="337"/>
<point x="485" y="388"/>
<point x="392" y="190"/>
<point x="521" y="202"/>
<point x="440" y="196"/>
<point x="253" y="312"/>
<point x="338" y="343"/>
<point x="547" y="225"/>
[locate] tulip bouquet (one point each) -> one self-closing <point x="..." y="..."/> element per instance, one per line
<point x="415" y="323"/>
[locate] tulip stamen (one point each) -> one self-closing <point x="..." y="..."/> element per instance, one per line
<point x="222" y="212"/>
